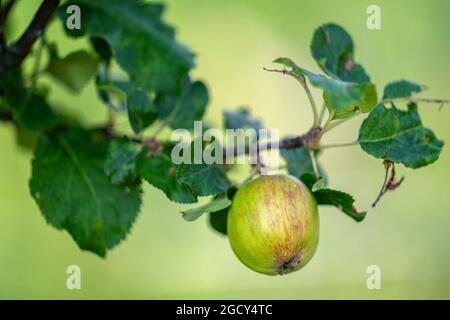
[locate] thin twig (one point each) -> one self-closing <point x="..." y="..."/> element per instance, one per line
<point x="311" y="102"/>
<point x="337" y="123"/>
<point x="305" y="87"/>
<point x="37" y="63"/>
<point x="172" y="115"/>
<point x="328" y="122"/>
<point x="389" y="184"/>
<point x="325" y="127"/>
<point x="18" y="51"/>
<point x="322" y="113"/>
<point x="306" y="140"/>
<point x="417" y="100"/>
<point x="383" y="187"/>
<point x="314" y="163"/>
<point x="161" y="128"/>
<point x="338" y="145"/>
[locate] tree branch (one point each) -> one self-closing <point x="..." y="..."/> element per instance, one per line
<point x="306" y="140"/>
<point x="338" y="145"/>
<point x="6" y="116"/>
<point x="13" y="56"/>
<point x="4" y="12"/>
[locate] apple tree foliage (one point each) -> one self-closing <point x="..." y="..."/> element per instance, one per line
<point x="88" y="181"/>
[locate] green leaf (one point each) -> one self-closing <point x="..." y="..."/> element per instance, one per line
<point x="26" y="139"/>
<point x="182" y="109"/>
<point x="218" y="220"/>
<point x="73" y="192"/>
<point x="143" y="44"/>
<point x="141" y="110"/>
<point x="102" y="48"/>
<point x="343" y="99"/>
<point x="203" y="179"/>
<point x="309" y="179"/>
<point x="30" y="110"/>
<point x="401" y="89"/>
<point x="299" y="163"/>
<point x="240" y="119"/>
<point x="120" y="163"/>
<point x="318" y="185"/>
<point x="74" y="70"/>
<point x="340" y="200"/>
<point x="219" y="203"/>
<point x="109" y="93"/>
<point x="332" y="48"/>
<point x="158" y="169"/>
<point x="399" y="136"/>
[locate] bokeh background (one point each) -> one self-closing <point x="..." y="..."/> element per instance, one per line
<point x="407" y="235"/>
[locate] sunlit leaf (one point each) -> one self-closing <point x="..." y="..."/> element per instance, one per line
<point x="218" y="203"/>
<point x="74" y="70"/>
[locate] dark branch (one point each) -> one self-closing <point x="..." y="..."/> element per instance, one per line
<point x="18" y="51"/>
<point x="4" y="12"/>
<point x="308" y="139"/>
<point x="6" y="116"/>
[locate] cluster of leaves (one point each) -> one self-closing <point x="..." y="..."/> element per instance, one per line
<point x="89" y="181"/>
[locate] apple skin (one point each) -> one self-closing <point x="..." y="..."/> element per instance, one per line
<point x="273" y="224"/>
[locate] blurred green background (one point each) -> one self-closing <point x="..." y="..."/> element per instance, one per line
<point x="407" y="235"/>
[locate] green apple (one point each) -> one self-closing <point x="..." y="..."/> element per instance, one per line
<point x="273" y="224"/>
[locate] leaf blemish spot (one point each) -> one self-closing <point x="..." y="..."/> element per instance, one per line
<point x="172" y="171"/>
<point x="349" y="65"/>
